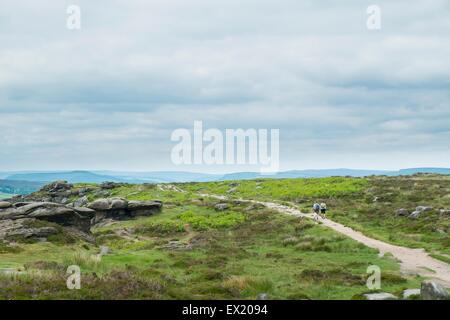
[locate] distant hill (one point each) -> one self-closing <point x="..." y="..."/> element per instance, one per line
<point x="424" y="170"/>
<point x="27" y="182"/>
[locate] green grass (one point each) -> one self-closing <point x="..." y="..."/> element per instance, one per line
<point x="238" y="257"/>
<point x="365" y="204"/>
<point x="242" y="251"/>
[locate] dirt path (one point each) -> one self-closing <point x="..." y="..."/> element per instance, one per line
<point x="412" y="261"/>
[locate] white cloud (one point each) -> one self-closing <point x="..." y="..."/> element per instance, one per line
<point x="138" y="69"/>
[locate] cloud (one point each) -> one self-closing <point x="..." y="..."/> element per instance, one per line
<point x="139" y="69"/>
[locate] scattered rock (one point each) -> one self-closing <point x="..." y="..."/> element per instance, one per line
<point x="424" y="208"/>
<point x="81" y="202"/>
<point x="221" y="207"/>
<point x="380" y="296"/>
<point x="415" y="215"/>
<point x="262" y="296"/>
<point x="104" y="250"/>
<point x="410" y="292"/>
<point x="402" y="212"/>
<point x="431" y="290"/>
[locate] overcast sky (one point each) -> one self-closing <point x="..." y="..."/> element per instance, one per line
<point x="108" y="96"/>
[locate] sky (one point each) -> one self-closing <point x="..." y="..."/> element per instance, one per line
<point x="109" y="95"/>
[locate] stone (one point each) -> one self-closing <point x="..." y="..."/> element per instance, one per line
<point x="47" y="211"/>
<point x="424" y="208"/>
<point x="444" y="212"/>
<point x="110" y="185"/>
<point x="221" y="207"/>
<point x="99" y="204"/>
<point x="431" y="290"/>
<point x="57" y="186"/>
<point x="21" y="228"/>
<point x="415" y="215"/>
<point x="262" y="296"/>
<point x="380" y="296"/>
<point x="4" y="204"/>
<point x="81" y="202"/>
<point x="402" y="212"/>
<point x="120" y="209"/>
<point x="104" y="250"/>
<point x="118" y="203"/>
<point x="410" y="292"/>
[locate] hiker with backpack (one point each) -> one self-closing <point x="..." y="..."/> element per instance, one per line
<point x="319" y="210"/>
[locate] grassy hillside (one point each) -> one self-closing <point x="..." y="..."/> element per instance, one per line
<point x="365" y="204"/>
<point x="192" y="251"/>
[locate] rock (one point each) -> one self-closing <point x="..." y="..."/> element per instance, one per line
<point x="57" y="186"/>
<point x="21" y="228"/>
<point x="4" y="204"/>
<point x="144" y="208"/>
<point x="221" y="207"/>
<point x="424" y="209"/>
<point x="232" y="190"/>
<point x="402" y="212"/>
<point x="444" y="212"/>
<point x="110" y="185"/>
<point x="262" y="296"/>
<point x="86" y="212"/>
<point x="431" y="290"/>
<point x="415" y="215"/>
<point x="117" y="203"/>
<point x="81" y="202"/>
<point x="410" y="292"/>
<point x="102" y="193"/>
<point x="100" y="204"/>
<point x="120" y="209"/>
<point x="47" y="211"/>
<point x="104" y="250"/>
<point x="380" y="296"/>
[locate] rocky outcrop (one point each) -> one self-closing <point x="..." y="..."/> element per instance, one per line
<point x="51" y="212"/>
<point x="121" y="209"/>
<point x="433" y="291"/>
<point x="23" y="229"/>
<point x="51" y="204"/>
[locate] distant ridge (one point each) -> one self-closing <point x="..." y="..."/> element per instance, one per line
<point x="79" y="176"/>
